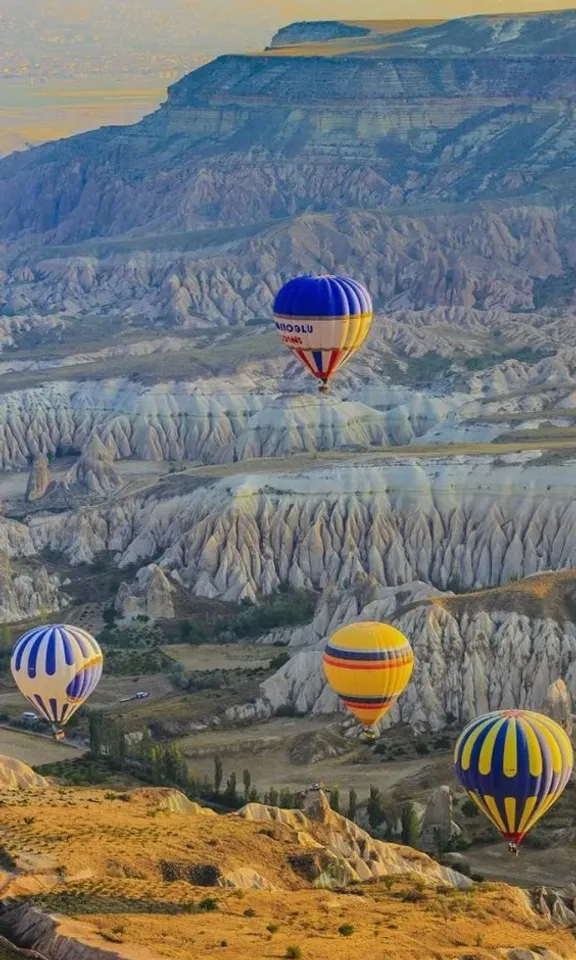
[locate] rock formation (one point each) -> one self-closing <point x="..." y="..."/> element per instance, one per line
<point x="39" y="479"/>
<point x="94" y="470"/>
<point x="351" y="854"/>
<point x="438" y="827"/>
<point x="25" y="594"/>
<point x="15" y="775"/>
<point x="150" y="594"/>
<point x="558" y="705"/>
<point x="285" y="145"/>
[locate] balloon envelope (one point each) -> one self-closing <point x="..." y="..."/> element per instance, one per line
<point x="514" y="765"/>
<point x="323" y="321"/>
<point x="56" y="667"/>
<point x="368" y="665"/>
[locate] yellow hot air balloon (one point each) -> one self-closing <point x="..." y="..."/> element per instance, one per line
<point x="368" y="665"/>
<point x="323" y="321"/>
<point x="514" y="764"/>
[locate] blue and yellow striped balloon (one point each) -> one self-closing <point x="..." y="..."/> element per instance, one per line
<point x="514" y="765"/>
<point x="368" y="665"/>
<point x="56" y="667"/>
<point x="323" y="321"/>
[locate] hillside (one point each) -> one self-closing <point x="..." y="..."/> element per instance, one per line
<point x="319" y="163"/>
<point x="278" y="881"/>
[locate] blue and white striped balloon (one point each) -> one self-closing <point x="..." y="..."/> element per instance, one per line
<point x="56" y="667"/>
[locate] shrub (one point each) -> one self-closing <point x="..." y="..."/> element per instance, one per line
<point x="293" y="953"/>
<point x="249" y="912"/>
<point x="273" y="928"/>
<point x="469" y="808"/>
<point x="413" y="896"/>
<point x="346" y="930"/>
<point x="208" y="905"/>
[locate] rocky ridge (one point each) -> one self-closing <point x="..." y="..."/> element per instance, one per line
<point x="279" y="860"/>
<point x="258" y="415"/>
<point x="260" y="166"/>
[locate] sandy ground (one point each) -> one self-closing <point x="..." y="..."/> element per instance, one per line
<point x="265" y="749"/>
<point x="552" y="867"/>
<point x="122" y="904"/>
<point x="34" y="750"/>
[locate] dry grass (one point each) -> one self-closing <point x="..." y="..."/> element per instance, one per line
<point x="545" y="595"/>
<point x="119" y="894"/>
<point x="225" y="656"/>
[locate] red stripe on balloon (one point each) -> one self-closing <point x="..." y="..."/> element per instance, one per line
<point x="302" y="356"/>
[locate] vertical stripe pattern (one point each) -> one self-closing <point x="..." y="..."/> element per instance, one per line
<point x="368" y="665"/>
<point x="56" y="668"/>
<point x="514" y="764"/>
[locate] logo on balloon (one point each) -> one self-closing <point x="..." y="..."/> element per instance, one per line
<point x="295" y="327"/>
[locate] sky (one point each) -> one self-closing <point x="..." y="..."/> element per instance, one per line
<point x="39" y="36"/>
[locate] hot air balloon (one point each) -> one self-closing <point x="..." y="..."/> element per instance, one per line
<point x="323" y="321"/>
<point x="56" y="668"/>
<point x="514" y="764"/>
<point x="368" y="665"/>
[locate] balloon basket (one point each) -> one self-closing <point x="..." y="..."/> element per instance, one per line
<point x="368" y="736"/>
<point x="323" y="389"/>
<point x="59" y="734"/>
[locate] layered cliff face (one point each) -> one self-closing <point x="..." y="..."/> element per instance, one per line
<point x="258" y="167"/>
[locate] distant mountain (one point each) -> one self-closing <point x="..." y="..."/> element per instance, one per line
<point x="415" y="160"/>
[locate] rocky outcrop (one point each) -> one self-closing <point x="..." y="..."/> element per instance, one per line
<point x="470" y="658"/>
<point x="316" y="32"/>
<point x="266" y="141"/>
<point x="26" y="593"/>
<point x="438" y="826"/>
<point x="558" y="705"/>
<point x="94" y="470"/>
<point x="39" y="479"/>
<point x="38" y="932"/>
<point x="15" y="775"/>
<point x="241" y="416"/>
<point x="150" y="594"/>
<point x="348" y="854"/>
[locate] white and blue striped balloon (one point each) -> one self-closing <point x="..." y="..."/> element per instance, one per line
<point x="56" y="667"/>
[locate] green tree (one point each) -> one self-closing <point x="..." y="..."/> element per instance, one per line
<point x="335" y="799"/>
<point x="5" y="637"/>
<point x="286" y="799"/>
<point x="374" y="808"/>
<point x="175" y="766"/>
<point x="97" y="732"/>
<point x="218" y="775"/>
<point x="247" y="780"/>
<point x="273" y="797"/>
<point x="231" y="792"/>
<point x="410" y="826"/>
<point x="109" y="616"/>
<point x="157" y="764"/>
<point x="352" y="804"/>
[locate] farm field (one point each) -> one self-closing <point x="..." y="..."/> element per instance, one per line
<point x="225" y="656"/>
<point x="34" y="750"/>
